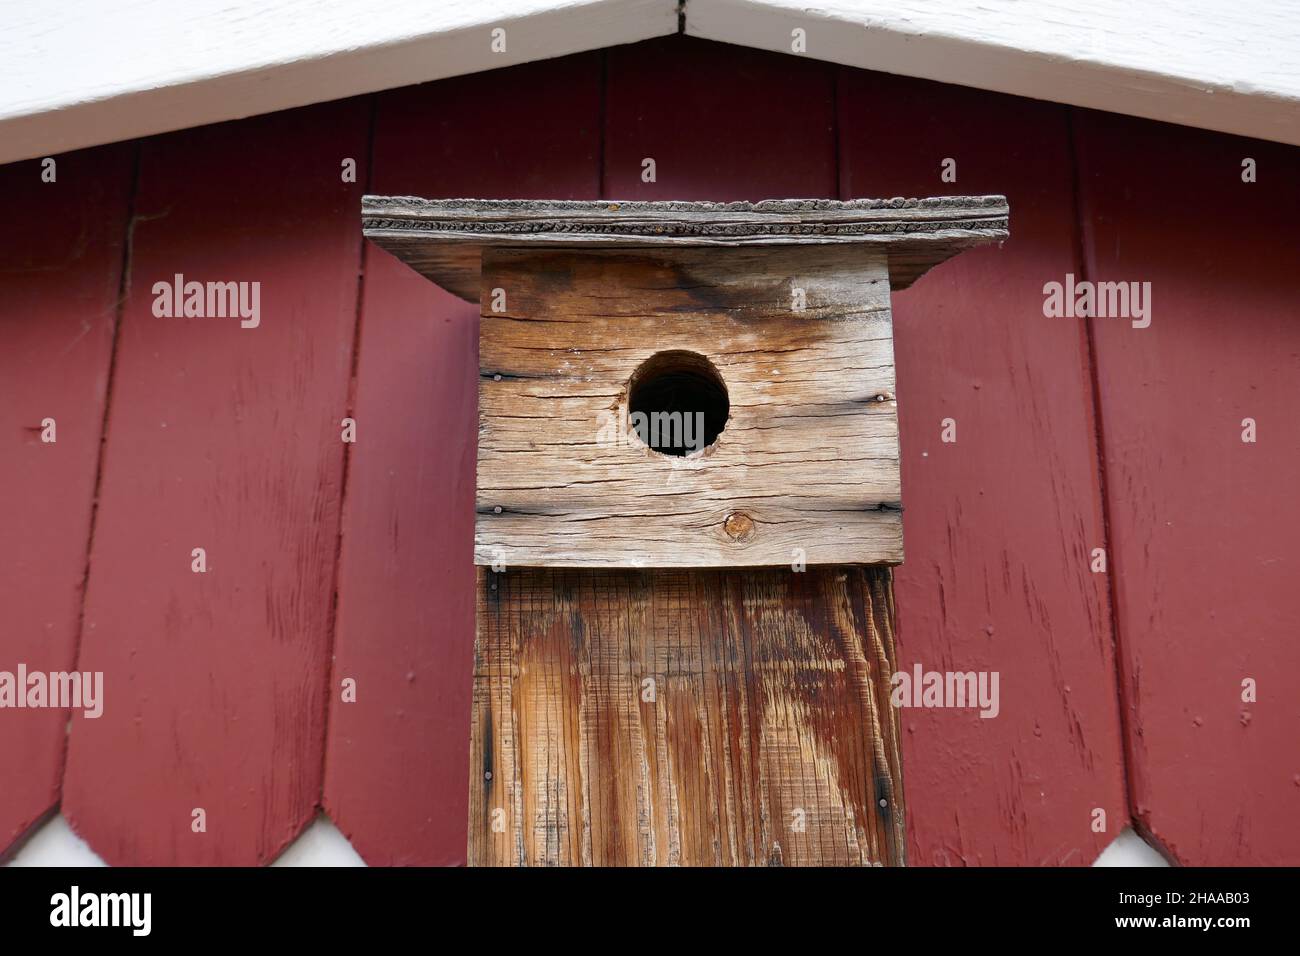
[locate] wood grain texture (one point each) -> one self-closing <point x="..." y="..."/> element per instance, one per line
<point x="441" y="238"/>
<point x="397" y="759"/>
<point x="809" y="452"/>
<point x="689" y="105"/>
<point x="60" y="268"/>
<point x="685" y="717"/>
<point x="228" y="439"/>
<point x="1001" y="523"/>
<point x="1204" y="560"/>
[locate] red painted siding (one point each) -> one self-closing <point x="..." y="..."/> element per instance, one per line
<point x="60" y="265"/>
<point x="228" y="439"/>
<point x="999" y="525"/>
<point x="1206" y="555"/>
<point x="690" y="106"/>
<point x="221" y="688"/>
<point x="397" y="769"/>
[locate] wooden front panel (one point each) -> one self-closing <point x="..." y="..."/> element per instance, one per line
<point x="806" y="469"/>
<point x="685" y="717"/>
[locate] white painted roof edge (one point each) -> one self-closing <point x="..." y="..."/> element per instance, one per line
<point x="85" y="72"/>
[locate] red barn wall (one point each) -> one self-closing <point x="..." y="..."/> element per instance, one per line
<point x="1121" y="691"/>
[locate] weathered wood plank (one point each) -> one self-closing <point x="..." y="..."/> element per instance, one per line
<point x="678" y="103"/>
<point x="836" y="282"/>
<point x="805" y="469"/>
<point x="685" y="717"/>
<point x="398" y="758"/>
<point x="60" y="269"/>
<point x="441" y="237"/>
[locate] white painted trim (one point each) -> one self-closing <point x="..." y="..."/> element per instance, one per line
<point x="80" y="73"/>
<point x="56" y="844"/>
<point x="321" y="844"/>
<point x="1224" y="65"/>
<point x="84" y="72"/>
<point x="1129" y="849"/>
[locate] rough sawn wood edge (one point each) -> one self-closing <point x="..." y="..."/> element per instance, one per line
<point x="443" y="238"/>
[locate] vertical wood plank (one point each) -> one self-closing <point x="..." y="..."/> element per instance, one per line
<point x="685" y="718"/>
<point x="1204" y="525"/>
<point x="60" y="270"/>
<point x="998" y="526"/>
<point x="228" y="439"/>
<point x="398" y="758"/>
<point x="689" y="105"/>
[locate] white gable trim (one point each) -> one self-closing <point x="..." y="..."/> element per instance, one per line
<point x="80" y="73"/>
<point x="84" y="72"/>
<point x="1227" y="65"/>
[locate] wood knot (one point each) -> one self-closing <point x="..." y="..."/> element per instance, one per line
<point x="739" y="526"/>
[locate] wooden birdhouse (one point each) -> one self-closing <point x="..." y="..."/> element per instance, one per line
<point x="688" y="503"/>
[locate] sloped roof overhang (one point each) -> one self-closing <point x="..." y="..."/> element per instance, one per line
<point x="443" y="239"/>
<point x="85" y="73"/>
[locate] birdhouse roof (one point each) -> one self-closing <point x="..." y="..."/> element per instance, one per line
<point x="443" y="239"/>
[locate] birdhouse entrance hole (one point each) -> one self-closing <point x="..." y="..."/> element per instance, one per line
<point x="677" y="402"/>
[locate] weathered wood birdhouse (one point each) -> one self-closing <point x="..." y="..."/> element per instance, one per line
<point x="688" y="504"/>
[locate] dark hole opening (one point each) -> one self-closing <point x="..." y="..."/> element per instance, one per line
<point x="677" y="402"/>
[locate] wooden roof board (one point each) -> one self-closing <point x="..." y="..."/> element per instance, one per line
<point x="443" y="239"/>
